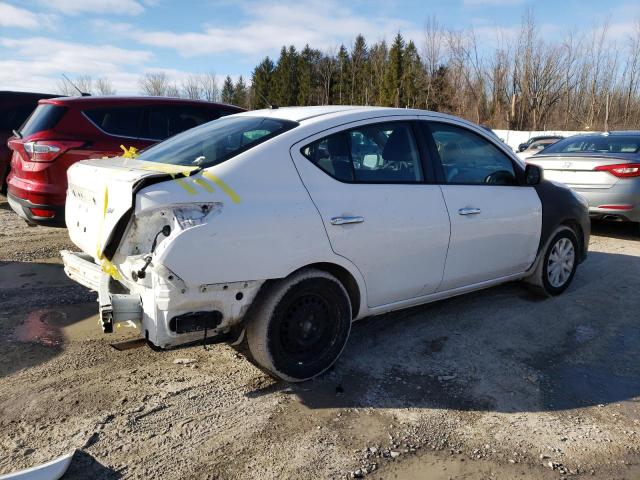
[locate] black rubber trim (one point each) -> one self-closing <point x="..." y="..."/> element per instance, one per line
<point x="561" y="207"/>
<point x="56" y="221"/>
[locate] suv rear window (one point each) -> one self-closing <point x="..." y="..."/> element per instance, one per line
<point x="216" y="141"/>
<point x="45" y="117"/>
<point x="118" y="121"/>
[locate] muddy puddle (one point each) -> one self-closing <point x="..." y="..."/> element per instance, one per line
<point x="54" y="327"/>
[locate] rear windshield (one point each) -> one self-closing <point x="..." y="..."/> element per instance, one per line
<point x="597" y="144"/>
<point x="217" y="141"/>
<point x="45" y="117"/>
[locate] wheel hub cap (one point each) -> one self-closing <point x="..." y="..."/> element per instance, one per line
<point x="561" y="261"/>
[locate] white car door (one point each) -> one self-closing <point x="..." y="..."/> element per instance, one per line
<point x="367" y="182"/>
<point x="495" y="223"/>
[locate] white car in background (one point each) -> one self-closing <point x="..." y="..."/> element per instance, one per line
<point x="280" y="227"/>
<point x="536" y="147"/>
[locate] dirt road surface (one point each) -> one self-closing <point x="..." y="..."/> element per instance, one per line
<point x="498" y="384"/>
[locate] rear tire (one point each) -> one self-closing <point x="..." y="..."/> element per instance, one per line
<point x="300" y="326"/>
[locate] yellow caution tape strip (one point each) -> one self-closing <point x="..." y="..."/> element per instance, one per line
<point x="186" y="186"/>
<point x="131" y="152"/>
<point x="235" y="198"/>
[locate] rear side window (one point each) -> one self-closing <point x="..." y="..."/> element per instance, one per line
<point x="45" y="117"/>
<point x="118" y="121"/>
<point x="470" y="159"/>
<point x="379" y="153"/>
<point x="165" y="122"/>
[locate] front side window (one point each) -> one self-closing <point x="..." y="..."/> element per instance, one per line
<point x="118" y="121"/>
<point x="379" y="153"/>
<point x="216" y="141"/>
<point x="468" y="158"/>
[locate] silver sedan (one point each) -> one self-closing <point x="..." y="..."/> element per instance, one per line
<point x="602" y="167"/>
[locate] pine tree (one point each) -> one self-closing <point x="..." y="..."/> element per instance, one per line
<point x="227" y="94"/>
<point x="393" y="94"/>
<point x="261" y="84"/>
<point x="359" y="67"/>
<point x="240" y="93"/>
<point x="343" y="80"/>
<point x="413" y="77"/>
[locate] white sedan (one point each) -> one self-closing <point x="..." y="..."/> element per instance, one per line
<point x="277" y="228"/>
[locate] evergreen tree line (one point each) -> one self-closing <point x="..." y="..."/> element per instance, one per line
<point x="526" y="83"/>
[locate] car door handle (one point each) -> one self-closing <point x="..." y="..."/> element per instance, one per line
<point x="469" y="211"/>
<point x="346" y="220"/>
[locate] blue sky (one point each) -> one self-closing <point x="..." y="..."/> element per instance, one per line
<point x="122" y="39"/>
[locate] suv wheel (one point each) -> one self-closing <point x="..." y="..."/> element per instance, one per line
<point x="301" y="326"/>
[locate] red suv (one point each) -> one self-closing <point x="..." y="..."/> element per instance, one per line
<point x="62" y="131"/>
<point x="15" y="107"/>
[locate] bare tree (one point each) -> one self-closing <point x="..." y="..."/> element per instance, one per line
<point x="172" y="90"/>
<point x="154" y="84"/>
<point x="74" y="86"/>
<point x="192" y="87"/>
<point x="105" y="87"/>
<point x="209" y="86"/>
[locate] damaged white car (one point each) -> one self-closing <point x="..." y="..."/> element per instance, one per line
<point x="278" y="228"/>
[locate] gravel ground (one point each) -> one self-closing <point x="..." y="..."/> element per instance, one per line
<point x="496" y="384"/>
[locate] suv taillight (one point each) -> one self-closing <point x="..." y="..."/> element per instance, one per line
<point x="621" y="170"/>
<point x="48" y="150"/>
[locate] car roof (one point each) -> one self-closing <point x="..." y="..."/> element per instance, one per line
<point x="305" y="115"/>
<point x="108" y="100"/>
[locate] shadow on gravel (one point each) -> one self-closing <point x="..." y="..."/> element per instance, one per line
<point x="502" y="349"/>
<point x="84" y="466"/>
<point x="619" y="230"/>
<point x="39" y="307"/>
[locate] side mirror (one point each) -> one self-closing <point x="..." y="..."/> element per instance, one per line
<point x="532" y="174"/>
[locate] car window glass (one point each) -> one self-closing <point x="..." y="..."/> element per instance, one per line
<point x="379" y="153"/>
<point x="597" y="144"/>
<point x="45" y="117"/>
<point x="164" y="122"/>
<point x="468" y="158"/>
<point x="119" y="121"/>
<point x="216" y="141"/>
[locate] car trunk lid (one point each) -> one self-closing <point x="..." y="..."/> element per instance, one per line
<point x="101" y="192"/>
<point x="579" y="171"/>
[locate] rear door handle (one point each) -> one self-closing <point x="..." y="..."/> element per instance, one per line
<point x="469" y="211"/>
<point x="346" y="220"/>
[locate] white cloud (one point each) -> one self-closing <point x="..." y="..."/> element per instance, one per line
<point x="11" y="16"/>
<point x="113" y="7"/>
<point x="39" y="62"/>
<point x="269" y="25"/>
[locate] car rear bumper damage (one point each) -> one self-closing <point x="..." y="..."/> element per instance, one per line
<point x="167" y="314"/>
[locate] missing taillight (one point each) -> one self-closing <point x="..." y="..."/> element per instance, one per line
<point x="621" y="170"/>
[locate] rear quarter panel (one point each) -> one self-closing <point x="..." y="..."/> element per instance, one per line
<point x="271" y="230"/>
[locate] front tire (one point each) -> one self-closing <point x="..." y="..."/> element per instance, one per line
<point x="558" y="265"/>
<point x="300" y="326"/>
